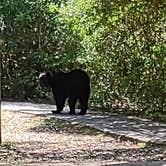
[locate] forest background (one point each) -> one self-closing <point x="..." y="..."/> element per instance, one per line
<point x="121" y="44"/>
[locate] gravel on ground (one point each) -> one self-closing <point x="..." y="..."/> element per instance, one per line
<point x="28" y="138"/>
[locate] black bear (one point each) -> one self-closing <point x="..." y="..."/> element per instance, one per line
<point x="72" y="85"/>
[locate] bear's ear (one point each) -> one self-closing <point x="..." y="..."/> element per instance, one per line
<point x="48" y="74"/>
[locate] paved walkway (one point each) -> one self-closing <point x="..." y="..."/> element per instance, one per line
<point x="127" y="126"/>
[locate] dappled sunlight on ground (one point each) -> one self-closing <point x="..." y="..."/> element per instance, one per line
<point x="17" y="128"/>
<point x="35" y="140"/>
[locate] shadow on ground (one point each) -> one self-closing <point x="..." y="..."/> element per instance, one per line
<point x="128" y="126"/>
<point x="52" y="124"/>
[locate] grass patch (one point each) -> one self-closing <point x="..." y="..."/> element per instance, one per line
<point x="6" y="149"/>
<point x="157" y="116"/>
<point x="6" y="145"/>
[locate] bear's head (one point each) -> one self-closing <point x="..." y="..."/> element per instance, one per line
<point x="45" y="79"/>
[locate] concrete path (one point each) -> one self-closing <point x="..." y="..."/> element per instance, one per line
<point x="127" y="126"/>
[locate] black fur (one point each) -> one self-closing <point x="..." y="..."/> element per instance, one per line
<point x="72" y="85"/>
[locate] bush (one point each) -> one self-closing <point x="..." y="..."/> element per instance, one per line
<point x="121" y="44"/>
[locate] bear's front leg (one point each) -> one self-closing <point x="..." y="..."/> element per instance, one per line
<point x="60" y="101"/>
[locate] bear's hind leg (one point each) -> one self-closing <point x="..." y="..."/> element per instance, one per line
<point x="72" y="103"/>
<point x="84" y="104"/>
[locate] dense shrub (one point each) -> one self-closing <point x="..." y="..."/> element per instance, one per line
<point x="121" y="44"/>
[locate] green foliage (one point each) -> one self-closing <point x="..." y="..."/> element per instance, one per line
<point x="125" y="44"/>
<point x="121" y="44"/>
<point x="30" y="44"/>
